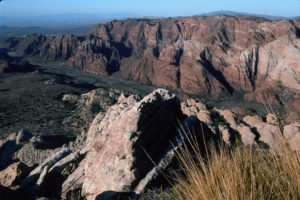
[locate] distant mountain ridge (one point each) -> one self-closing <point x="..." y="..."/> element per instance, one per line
<point x="78" y="19"/>
<point x="66" y="19"/>
<point x="232" y="13"/>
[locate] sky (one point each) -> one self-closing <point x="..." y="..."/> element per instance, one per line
<point x="163" y="8"/>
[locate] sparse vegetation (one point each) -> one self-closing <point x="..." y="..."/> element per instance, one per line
<point x="32" y="102"/>
<point x="236" y="172"/>
<point x="242" y="173"/>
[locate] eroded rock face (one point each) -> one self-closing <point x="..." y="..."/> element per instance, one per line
<point x="217" y="55"/>
<point x="103" y="120"/>
<point x="87" y="53"/>
<point x="54" y="159"/>
<point x="112" y="158"/>
<point x="73" y="184"/>
<point x="118" y="158"/>
<point x="247" y="136"/>
<point x="246" y="129"/>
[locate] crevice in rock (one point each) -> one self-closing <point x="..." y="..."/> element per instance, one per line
<point x="257" y="137"/>
<point x="177" y="57"/>
<point x="178" y="76"/>
<point x="159" y="35"/>
<point x="251" y="62"/>
<point x="297" y="30"/>
<point x="206" y="63"/>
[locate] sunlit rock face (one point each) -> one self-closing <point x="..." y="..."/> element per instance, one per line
<point x="214" y="56"/>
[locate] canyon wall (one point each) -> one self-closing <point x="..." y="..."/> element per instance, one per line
<point x="209" y="56"/>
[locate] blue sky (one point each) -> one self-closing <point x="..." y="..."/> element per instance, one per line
<point x="286" y="8"/>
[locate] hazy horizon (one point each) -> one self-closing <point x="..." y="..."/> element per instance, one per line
<point x="155" y="8"/>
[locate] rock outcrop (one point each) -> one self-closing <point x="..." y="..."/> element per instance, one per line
<point x="122" y="153"/>
<point x="13" y="174"/>
<point x="129" y="143"/>
<point x="89" y="105"/>
<point x="237" y="129"/>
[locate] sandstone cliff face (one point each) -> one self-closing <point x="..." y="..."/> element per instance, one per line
<point x="197" y="55"/>
<point x="202" y="54"/>
<point x="87" y="53"/>
<point x="48" y="48"/>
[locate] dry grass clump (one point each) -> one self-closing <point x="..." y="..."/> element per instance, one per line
<point x="240" y="173"/>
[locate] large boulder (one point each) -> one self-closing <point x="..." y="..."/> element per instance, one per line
<point x="122" y="152"/>
<point x="23" y="136"/>
<point x="103" y="120"/>
<point x="13" y="174"/>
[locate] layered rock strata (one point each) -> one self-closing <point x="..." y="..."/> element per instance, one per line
<point x="214" y="56"/>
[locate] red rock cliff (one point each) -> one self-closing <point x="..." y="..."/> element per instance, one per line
<point x="198" y="55"/>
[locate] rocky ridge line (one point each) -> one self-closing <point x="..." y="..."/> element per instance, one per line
<point x="112" y="160"/>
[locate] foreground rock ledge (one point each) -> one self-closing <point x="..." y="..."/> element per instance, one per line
<point x="119" y="157"/>
<point x="113" y="157"/>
